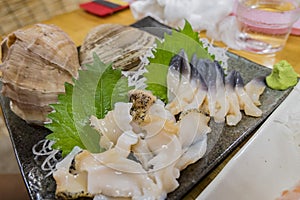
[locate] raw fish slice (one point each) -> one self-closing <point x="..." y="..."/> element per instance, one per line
<point x="183" y="98"/>
<point x="245" y="101"/>
<point x="203" y="66"/>
<point x="173" y="76"/>
<point x="185" y="69"/>
<point x="255" y="88"/>
<point x="197" y="81"/>
<point x="185" y="92"/>
<point x="234" y="114"/>
<point x="221" y="103"/>
<point x="208" y="71"/>
<point x="194" y="60"/>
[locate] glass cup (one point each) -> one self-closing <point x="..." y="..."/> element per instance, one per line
<point x="264" y="25"/>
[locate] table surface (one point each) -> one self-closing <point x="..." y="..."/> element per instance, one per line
<point x="78" y="23"/>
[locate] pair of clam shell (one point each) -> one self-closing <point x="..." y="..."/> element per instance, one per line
<point x="36" y="62"/>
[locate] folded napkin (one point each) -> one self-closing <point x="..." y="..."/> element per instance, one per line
<point x="213" y="16"/>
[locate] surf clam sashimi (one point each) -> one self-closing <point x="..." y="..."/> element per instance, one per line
<point x="36" y="63"/>
<point x="146" y="159"/>
<point x="181" y="90"/>
<point x="245" y="101"/>
<point x="234" y="114"/>
<point x="255" y="88"/>
<point x="204" y="86"/>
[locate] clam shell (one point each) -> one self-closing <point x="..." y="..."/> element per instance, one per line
<point x="121" y="45"/>
<point x="31" y="113"/>
<point x="36" y="63"/>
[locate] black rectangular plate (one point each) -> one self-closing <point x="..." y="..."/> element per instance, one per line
<point x="221" y="142"/>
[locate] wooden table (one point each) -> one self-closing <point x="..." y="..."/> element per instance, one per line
<point x="78" y="23"/>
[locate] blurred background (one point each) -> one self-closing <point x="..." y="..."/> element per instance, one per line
<point x="18" y="13"/>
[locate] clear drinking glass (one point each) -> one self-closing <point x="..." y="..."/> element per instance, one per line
<point x="264" y="25"/>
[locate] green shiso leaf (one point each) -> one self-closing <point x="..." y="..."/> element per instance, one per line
<point x="185" y="39"/>
<point x="62" y="126"/>
<point x="95" y="92"/>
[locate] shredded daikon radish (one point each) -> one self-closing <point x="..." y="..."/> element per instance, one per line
<point x="136" y="78"/>
<point x="218" y="52"/>
<point x="48" y="157"/>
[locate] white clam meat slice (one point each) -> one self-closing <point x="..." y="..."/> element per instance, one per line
<point x="158" y="119"/>
<point x="142" y="153"/>
<point x="167" y="150"/>
<point x="109" y="173"/>
<point x="113" y="174"/>
<point x="65" y="181"/>
<point x="114" y="124"/>
<point x="193" y="128"/>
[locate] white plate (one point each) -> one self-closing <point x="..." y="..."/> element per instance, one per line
<point x="268" y="164"/>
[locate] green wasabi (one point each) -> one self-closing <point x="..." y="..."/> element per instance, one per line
<point x="282" y="77"/>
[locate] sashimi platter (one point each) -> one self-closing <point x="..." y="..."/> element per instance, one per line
<point x="135" y="112"/>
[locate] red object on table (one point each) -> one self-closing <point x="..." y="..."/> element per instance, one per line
<point x="102" y="8"/>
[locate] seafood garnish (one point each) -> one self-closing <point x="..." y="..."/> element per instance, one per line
<point x="202" y="85"/>
<point x="43" y="151"/>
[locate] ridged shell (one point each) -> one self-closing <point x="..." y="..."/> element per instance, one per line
<point x="36" y="63"/>
<point x="121" y="45"/>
